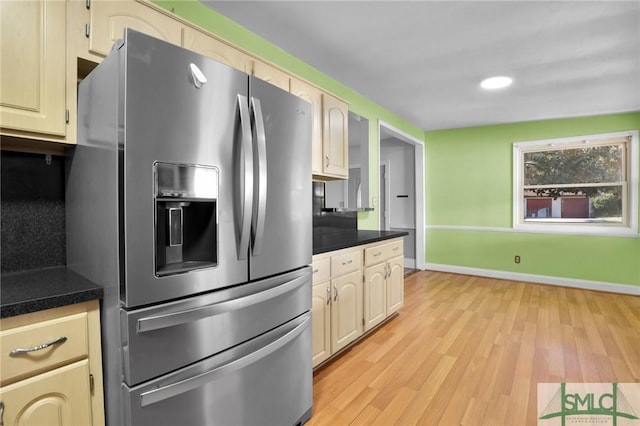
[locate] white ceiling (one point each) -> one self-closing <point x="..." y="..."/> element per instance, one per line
<point x="424" y="60"/>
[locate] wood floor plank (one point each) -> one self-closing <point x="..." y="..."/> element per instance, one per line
<point x="471" y="350"/>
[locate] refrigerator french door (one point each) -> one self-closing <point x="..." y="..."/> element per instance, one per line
<point x="189" y="200"/>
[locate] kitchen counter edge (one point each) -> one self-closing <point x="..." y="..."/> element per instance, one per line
<point x="339" y="240"/>
<point x="41" y="289"/>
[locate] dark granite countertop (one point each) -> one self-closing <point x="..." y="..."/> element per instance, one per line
<point x="330" y="241"/>
<point x="37" y="290"/>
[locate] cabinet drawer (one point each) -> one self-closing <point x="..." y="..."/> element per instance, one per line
<point x="394" y="248"/>
<point x="345" y="263"/>
<point x="75" y="347"/>
<point x="375" y="254"/>
<point x="321" y="270"/>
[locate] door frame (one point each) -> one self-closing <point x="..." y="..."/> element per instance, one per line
<point x="385" y="223"/>
<point x="418" y="145"/>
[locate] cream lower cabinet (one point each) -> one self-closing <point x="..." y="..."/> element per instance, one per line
<point x="59" y="397"/>
<point x="58" y="380"/>
<point x="346" y="310"/>
<point x="383" y="281"/>
<point x="336" y="302"/>
<point x="349" y="300"/>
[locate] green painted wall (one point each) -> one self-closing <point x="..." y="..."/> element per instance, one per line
<point x="468" y="177"/>
<point x="469" y="184"/>
<point x="197" y="13"/>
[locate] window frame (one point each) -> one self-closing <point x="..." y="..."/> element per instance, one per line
<point x="629" y="225"/>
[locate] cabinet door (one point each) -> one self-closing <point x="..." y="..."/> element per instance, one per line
<point x="271" y="75"/>
<point x="321" y="322"/>
<point x="314" y="97"/>
<point x="395" y="285"/>
<point x="59" y="397"/>
<point x="375" y="295"/>
<point x="206" y="45"/>
<point x="346" y="310"/>
<point x="110" y="18"/>
<point x="32" y="61"/>
<point x="335" y="142"/>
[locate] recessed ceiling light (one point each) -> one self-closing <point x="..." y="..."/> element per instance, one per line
<point x="496" y="82"/>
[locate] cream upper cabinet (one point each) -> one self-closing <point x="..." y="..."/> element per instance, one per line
<point x="109" y="18"/>
<point x="335" y="138"/>
<point x="204" y="44"/>
<point x="271" y="75"/>
<point x="314" y="96"/>
<point x="33" y="47"/>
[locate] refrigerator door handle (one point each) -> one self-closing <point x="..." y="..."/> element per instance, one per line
<point x="180" y="387"/>
<point x="245" y="181"/>
<point x="260" y="177"/>
<point x="176" y="318"/>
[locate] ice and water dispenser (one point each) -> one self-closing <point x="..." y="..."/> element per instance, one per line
<point x="186" y="218"/>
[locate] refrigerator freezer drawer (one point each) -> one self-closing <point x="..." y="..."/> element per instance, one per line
<point x="163" y="338"/>
<point x="265" y="381"/>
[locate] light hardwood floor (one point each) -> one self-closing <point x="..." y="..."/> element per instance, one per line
<point x="470" y="350"/>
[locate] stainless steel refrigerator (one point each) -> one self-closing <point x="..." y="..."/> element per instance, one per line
<point x="189" y="200"/>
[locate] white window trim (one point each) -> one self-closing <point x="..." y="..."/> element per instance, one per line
<point x="631" y="228"/>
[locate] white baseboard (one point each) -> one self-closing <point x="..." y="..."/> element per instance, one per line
<point x="409" y="263"/>
<point x="540" y="279"/>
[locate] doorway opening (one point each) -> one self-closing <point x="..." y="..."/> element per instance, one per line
<point x="401" y="190"/>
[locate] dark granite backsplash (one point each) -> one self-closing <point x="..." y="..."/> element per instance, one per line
<point x="32" y="216"/>
<point x="330" y="222"/>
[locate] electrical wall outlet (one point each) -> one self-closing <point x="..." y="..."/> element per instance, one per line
<point x="517" y="259"/>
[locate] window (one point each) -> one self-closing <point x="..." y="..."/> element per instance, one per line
<point x="586" y="184"/>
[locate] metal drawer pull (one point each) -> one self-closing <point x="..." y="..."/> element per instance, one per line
<point x="396" y="248"/>
<point x="328" y="295"/>
<point x="335" y="296"/>
<point x="315" y="271"/>
<point x="161" y="393"/>
<point x="378" y="254"/>
<point x="20" y="351"/>
<point x="157" y="322"/>
<point x="347" y="263"/>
